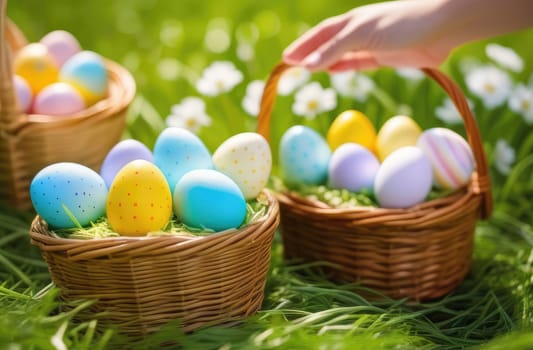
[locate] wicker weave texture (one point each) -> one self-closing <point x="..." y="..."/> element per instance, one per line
<point x="28" y="143"/>
<point x="141" y="283"/>
<point x="421" y="253"/>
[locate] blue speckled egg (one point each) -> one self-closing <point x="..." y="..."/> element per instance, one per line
<point x="178" y="151"/>
<point x="121" y="154"/>
<point x="75" y="186"/>
<point x="208" y="199"/>
<point x="304" y="156"/>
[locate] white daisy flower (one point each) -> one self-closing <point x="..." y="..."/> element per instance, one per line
<point x="252" y="99"/>
<point x="505" y="57"/>
<point x="352" y="84"/>
<point x="218" y="78"/>
<point x="448" y="113"/>
<point x="189" y="114"/>
<point x="489" y="83"/>
<point x="504" y="156"/>
<point x="312" y="99"/>
<point x="292" y="79"/>
<point x="409" y="73"/>
<point x="521" y="102"/>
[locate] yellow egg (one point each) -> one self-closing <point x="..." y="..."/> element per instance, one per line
<point x="139" y="199"/>
<point x="35" y="64"/>
<point x="352" y="126"/>
<point x="398" y="131"/>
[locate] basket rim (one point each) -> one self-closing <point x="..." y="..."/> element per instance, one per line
<point x="436" y="211"/>
<point x="46" y="239"/>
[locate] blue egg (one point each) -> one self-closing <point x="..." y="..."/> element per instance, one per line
<point x="304" y="156"/>
<point x="74" y="186"/>
<point x="208" y="199"/>
<point x="178" y="151"/>
<point x="121" y="154"/>
<point x="86" y="71"/>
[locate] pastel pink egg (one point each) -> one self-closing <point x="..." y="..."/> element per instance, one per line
<point x="450" y="155"/>
<point x="58" y="99"/>
<point x="62" y="45"/>
<point x="23" y="93"/>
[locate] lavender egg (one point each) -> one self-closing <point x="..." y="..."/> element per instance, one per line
<point x="58" y="99"/>
<point x="23" y="93"/>
<point x="62" y="45"/>
<point x="352" y="167"/>
<point x="121" y="154"/>
<point x="403" y="179"/>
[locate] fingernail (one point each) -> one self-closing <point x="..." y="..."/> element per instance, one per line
<point x="313" y="59"/>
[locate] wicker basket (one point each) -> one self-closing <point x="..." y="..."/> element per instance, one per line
<point x="421" y="253"/>
<point x="141" y="283"/>
<point x="30" y="142"/>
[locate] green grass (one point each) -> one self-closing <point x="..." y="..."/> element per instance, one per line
<point x="162" y="44"/>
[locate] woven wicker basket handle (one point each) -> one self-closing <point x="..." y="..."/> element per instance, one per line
<point x="481" y="180"/>
<point x="11" y="39"/>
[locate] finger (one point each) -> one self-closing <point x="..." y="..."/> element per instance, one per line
<point x="367" y="60"/>
<point x="331" y="51"/>
<point x="296" y="52"/>
<point x="360" y="60"/>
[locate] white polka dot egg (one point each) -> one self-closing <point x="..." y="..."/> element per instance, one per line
<point x="246" y="158"/>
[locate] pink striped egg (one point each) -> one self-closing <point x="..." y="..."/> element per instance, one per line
<point x="450" y="156"/>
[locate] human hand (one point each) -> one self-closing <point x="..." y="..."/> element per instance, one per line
<point x="407" y="33"/>
<point x="392" y="34"/>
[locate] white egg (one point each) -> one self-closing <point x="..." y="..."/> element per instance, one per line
<point x="246" y="158"/>
<point x="403" y="179"/>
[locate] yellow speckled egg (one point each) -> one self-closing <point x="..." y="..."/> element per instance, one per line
<point x="398" y="131"/>
<point x="247" y="160"/>
<point x="352" y="126"/>
<point x="139" y="199"/>
<point x="35" y="64"/>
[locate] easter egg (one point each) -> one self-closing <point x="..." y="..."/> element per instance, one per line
<point x="58" y="99"/>
<point x="178" y="151"/>
<point x="450" y="156"/>
<point x="208" y="199"/>
<point x="23" y="93"/>
<point x="352" y="126"/>
<point x="121" y="154"/>
<point x="61" y="44"/>
<point x="247" y="160"/>
<point x="398" y="131"/>
<point x="86" y="71"/>
<point x="403" y="179"/>
<point x="352" y="167"/>
<point x="304" y="156"/>
<point x="64" y="189"/>
<point x="35" y="64"/>
<point x="139" y="199"/>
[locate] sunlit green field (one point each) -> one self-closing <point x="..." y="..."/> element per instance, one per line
<point x="166" y="45"/>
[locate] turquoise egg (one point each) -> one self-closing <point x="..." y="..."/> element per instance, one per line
<point x="86" y="71"/>
<point x="208" y="199"/>
<point x="178" y="151"/>
<point x="61" y="188"/>
<point x="304" y="156"/>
